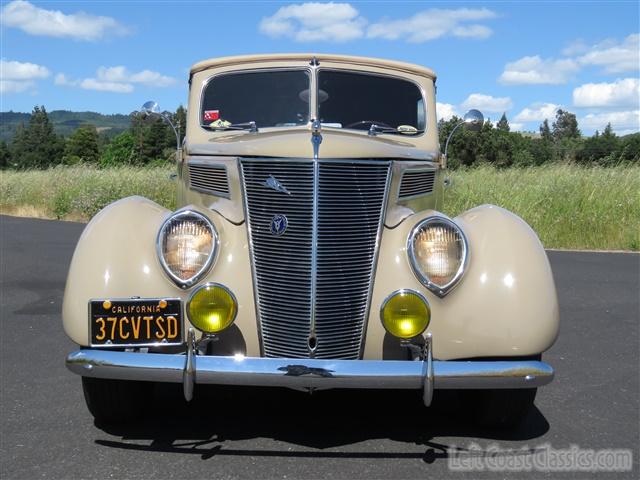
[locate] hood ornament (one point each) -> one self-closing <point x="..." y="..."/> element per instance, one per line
<point x="274" y="184"/>
<point x="316" y="137"/>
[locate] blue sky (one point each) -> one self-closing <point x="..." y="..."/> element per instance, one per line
<point x="524" y="58"/>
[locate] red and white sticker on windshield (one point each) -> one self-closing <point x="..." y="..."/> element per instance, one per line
<point x="211" y="115"/>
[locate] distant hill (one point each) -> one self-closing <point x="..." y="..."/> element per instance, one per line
<point x="65" y="122"/>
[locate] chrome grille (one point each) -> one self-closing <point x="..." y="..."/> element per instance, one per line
<point x="350" y="198"/>
<point x="207" y="178"/>
<point x="415" y="183"/>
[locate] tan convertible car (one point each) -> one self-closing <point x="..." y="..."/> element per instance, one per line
<point x="309" y="252"/>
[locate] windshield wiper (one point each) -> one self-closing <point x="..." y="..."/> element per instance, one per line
<point x="376" y="129"/>
<point x="251" y="126"/>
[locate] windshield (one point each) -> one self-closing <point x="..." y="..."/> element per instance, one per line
<point x="357" y="100"/>
<point x="269" y="98"/>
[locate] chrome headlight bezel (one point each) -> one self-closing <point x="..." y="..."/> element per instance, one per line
<point x="184" y="214"/>
<point x="439" y="290"/>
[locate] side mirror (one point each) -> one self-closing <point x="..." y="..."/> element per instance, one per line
<point x="150" y="107"/>
<point x="473" y="120"/>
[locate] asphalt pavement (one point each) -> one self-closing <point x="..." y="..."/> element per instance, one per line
<point x="47" y="432"/>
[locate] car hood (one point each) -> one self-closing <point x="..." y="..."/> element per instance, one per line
<point x="296" y="143"/>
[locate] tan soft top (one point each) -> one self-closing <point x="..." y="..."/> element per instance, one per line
<point x="346" y="59"/>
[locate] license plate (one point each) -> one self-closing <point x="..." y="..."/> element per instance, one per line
<point x="135" y="322"/>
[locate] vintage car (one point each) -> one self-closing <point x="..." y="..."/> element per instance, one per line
<point x="308" y="251"/>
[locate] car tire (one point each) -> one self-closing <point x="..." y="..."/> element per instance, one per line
<point x="501" y="408"/>
<point x="116" y="401"/>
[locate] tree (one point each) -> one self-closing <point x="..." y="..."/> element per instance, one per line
<point x="121" y="151"/>
<point x="565" y="126"/>
<point x="82" y="146"/>
<point x="503" y="123"/>
<point x="545" y="131"/>
<point x="37" y="146"/>
<point x="5" y="155"/>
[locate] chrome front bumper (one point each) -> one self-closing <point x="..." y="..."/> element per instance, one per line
<point x="426" y="374"/>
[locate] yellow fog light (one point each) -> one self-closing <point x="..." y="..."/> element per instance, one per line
<point x="405" y="314"/>
<point x="212" y="308"/>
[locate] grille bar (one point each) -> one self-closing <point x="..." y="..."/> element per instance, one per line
<point x="208" y="178"/>
<point x="316" y="278"/>
<point x="416" y="183"/>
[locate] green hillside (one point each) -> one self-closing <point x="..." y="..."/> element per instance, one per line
<point x="65" y="122"/>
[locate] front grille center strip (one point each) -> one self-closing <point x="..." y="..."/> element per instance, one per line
<point x="312" y="341"/>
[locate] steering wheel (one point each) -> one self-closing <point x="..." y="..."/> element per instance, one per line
<point x="368" y="122"/>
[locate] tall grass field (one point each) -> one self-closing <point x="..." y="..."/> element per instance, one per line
<point x="568" y="206"/>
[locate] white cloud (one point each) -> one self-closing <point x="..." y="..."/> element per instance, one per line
<point x="614" y="57"/>
<point x="623" y="92"/>
<point x="307" y="22"/>
<point x="12" y="70"/>
<point x="575" y="48"/>
<point x="115" y="87"/>
<point x="621" y="122"/>
<point x="62" y="80"/>
<point x="341" y="22"/>
<point x="16" y="77"/>
<point x="487" y="103"/>
<point x="535" y="70"/>
<point x="120" y="74"/>
<point x="445" y="111"/>
<point x="537" y="112"/>
<point x="116" y="79"/>
<point x="16" y="86"/>
<point x="53" y="23"/>
<point x="517" y="127"/>
<point x="434" y="23"/>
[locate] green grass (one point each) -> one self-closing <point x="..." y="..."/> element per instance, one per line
<point x="78" y="193"/>
<point x="568" y="206"/>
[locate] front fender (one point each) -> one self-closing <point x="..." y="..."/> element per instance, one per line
<point x="505" y="304"/>
<point x="116" y="258"/>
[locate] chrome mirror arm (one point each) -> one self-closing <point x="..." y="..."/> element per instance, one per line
<point x="446" y="145"/>
<point x="151" y="108"/>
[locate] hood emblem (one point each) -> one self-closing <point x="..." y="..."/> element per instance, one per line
<point x="279" y="225"/>
<point x="274" y="184"/>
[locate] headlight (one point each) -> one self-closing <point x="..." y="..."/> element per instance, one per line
<point x="187" y="244"/>
<point x="405" y="314"/>
<point x="212" y="308"/>
<point x="438" y="254"/>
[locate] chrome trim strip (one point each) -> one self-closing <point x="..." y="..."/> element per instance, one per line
<point x="210" y="284"/>
<point x="311" y="373"/>
<point x="256" y="299"/>
<point x="376" y="251"/>
<point x="316" y="139"/>
<point x="439" y="290"/>
<point x="184" y="284"/>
